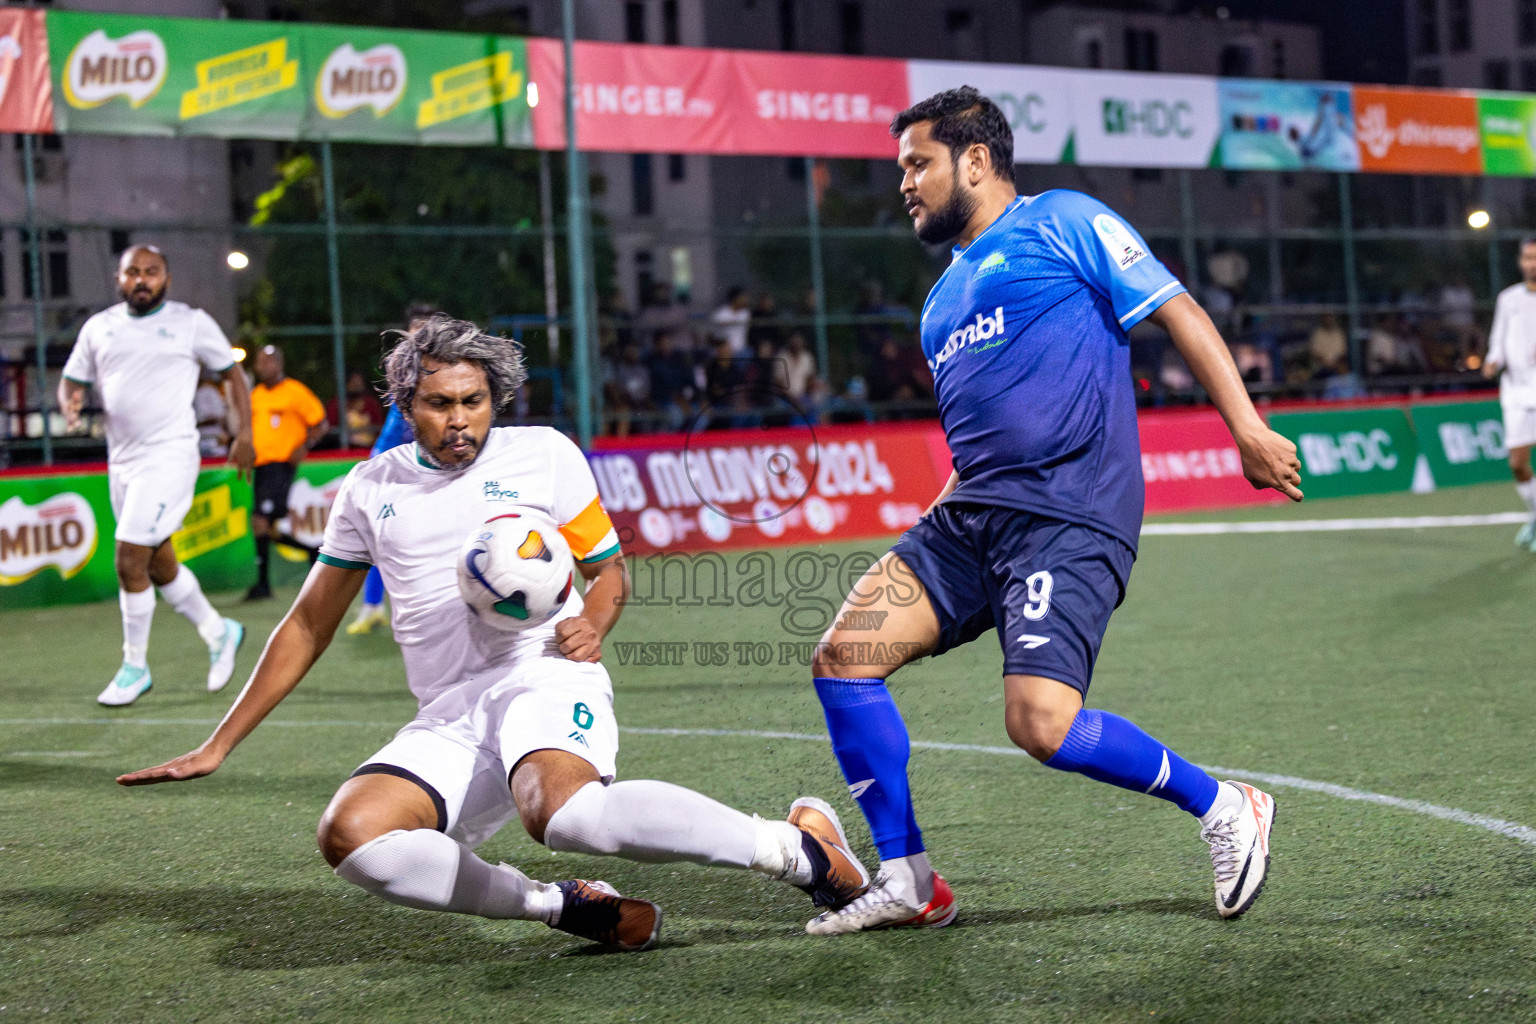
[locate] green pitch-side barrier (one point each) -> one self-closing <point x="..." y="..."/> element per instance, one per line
<point x="1463" y="441"/>
<point x="1353" y="451"/>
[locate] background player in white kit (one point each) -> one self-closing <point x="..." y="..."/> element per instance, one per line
<point x="144" y="356"/>
<point x="509" y="724"/>
<point x="1512" y="352"/>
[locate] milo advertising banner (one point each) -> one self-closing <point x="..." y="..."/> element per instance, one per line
<point x="1353" y="451"/>
<point x="56" y="537"/>
<point x="1508" y="126"/>
<point x="1463" y="441"/>
<point x="123" y="74"/>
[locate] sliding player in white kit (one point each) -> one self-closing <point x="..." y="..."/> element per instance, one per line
<point x="1512" y="358"/>
<point x="144" y="356"/>
<point x="509" y="724"/>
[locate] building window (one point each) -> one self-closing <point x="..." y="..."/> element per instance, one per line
<point x="1527" y="18"/>
<point x="677" y="167"/>
<point x="671" y="34"/>
<point x="850" y="19"/>
<point x="118" y="240"/>
<point x="1140" y="49"/>
<point x="964" y="39"/>
<point x="1528" y="76"/>
<point x="1235" y="61"/>
<point x="645" y="278"/>
<point x="1428" y="76"/>
<point x="1426" y="27"/>
<point x="1496" y="74"/>
<point x="789" y="37"/>
<point x="1146" y="175"/>
<point x="643" y="197"/>
<point x="1459" y="25"/>
<point x="55" y="261"/>
<point x="634" y="23"/>
<point x="1278" y="53"/>
<point x="794" y="168"/>
<point x="1089" y="43"/>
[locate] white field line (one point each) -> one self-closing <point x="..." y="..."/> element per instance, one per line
<point x="1513" y="830"/>
<point x="1332" y="525"/>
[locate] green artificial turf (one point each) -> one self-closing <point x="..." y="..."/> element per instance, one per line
<point x="1393" y="662"/>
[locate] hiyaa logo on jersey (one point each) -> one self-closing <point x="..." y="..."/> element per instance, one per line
<point x="493" y="491"/>
<point x="350" y="80"/>
<point x="1118" y="240"/>
<point x="100" y="68"/>
<point x="59" y="531"/>
<point x="984" y="328"/>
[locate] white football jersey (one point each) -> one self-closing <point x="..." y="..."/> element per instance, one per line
<point x="145" y="370"/>
<point x="1512" y="345"/>
<point x="411" y="520"/>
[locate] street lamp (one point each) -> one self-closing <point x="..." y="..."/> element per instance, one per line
<point x="1478" y="219"/>
<point x="237" y="260"/>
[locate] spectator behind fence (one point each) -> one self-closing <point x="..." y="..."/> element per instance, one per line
<point x="724" y="378"/>
<point x="672" y="383"/>
<point x="364" y="416"/>
<point x="1457" y="306"/>
<point x="799" y="366"/>
<point x="1328" y="348"/>
<point x="899" y="373"/>
<point x="628" y="388"/>
<point x="660" y="315"/>
<point x="732" y="320"/>
<point x="766" y="326"/>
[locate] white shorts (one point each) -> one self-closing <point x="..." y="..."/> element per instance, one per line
<point x="151" y="496"/>
<point x="1519" y="426"/>
<point x="464" y="763"/>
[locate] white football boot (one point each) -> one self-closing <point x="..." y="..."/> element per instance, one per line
<point x="221" y="661"/>
<point x="1527" y="535"/>
<point x="1240" y="850"/>
<point x="127" y="686"/>
<point x="881" y="907"/>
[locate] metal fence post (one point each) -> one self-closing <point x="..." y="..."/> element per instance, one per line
<point x="576" y="239"/>
<point x="35" y="259"/>
<point x="1351" y="281"/>
<point x="333" y="269"/>
<point x="1188" y="251"/>
<point x="551" y="281"/>
<point x="818" y="274"/>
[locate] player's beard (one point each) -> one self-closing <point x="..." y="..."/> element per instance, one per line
<point x="437" y="456"/>
<point x="950" y="219"/>
<point x="142" y="300"/>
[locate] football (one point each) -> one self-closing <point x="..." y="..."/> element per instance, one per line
<point x="516" y="571"/>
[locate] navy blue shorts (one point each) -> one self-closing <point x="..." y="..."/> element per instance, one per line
<point x="1048" y="586"/>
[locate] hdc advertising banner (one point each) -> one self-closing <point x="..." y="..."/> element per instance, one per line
<point x="1351" y="451"/>
<point x="1287" y="126"/>
<point x="26" y="95"/>
<point x="1190" y="461"/>
<point x="56" y="542"/>
<point x="751" y="488"/>
<point x="1464" y="442"/>
<point x="1125" y="119"/>
<point x="1036" y="101"/>
<point x="1415" y="131"/>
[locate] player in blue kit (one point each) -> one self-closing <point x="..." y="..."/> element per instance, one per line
<point x="1036" y="530"/>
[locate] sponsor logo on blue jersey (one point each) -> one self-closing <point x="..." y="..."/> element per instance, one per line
<point x="985" y="327"/>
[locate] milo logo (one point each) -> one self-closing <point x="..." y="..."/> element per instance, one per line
<point x="100" y="69"/>
<point x="309" y="509"/>
<point x="60" y="531"/>
<point x="982" y="329"/>
<point x="350" y="80"/>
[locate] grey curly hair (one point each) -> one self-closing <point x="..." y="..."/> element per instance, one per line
<point x="446" y="340"/>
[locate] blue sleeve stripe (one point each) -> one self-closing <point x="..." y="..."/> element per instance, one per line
<point x="342" y="563"/>
<point x="1151" y="299"/>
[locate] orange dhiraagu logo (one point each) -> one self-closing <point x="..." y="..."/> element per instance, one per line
<point x="468" y="88"/>
<point x="1410" y="131"/>
<point x="213" y="521"/>
<point x="58" y="532"/>
<point x="239" y="77"/>
<point x="100" y="68"/>
<point x="351" y="80"/>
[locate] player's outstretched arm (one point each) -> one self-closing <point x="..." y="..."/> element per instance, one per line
<point x="297" y="643"/>
<point x="242" y="450"/>
<point x="71" y="401"/>
<point x="581" y="638"/>
<point x="1269" y="460"/>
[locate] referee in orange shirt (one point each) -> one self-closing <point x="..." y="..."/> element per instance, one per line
<point x="286" y="421"/>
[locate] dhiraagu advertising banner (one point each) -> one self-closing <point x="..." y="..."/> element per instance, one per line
<point x="1287" y="126"/>
<point x="56" y="542"/>
<point x="123" y="74"/>
<point x="1354" y="451"/>
<point x="1463" y="441"/>
<point x="1508" y="124"/>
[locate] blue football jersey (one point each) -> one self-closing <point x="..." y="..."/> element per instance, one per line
<point x="395" y="432"/>
<point x="1025" y="334"/>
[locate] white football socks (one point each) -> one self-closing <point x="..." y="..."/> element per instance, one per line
<point x="185" y="595"/>
<point x="1228" y="799"/>
<point x="910" y="877"/>
<point x="1527" y="492"/>
<point x="138" y="613"/>
<point x="425" y="869"/>
<point x="653" y="822"/>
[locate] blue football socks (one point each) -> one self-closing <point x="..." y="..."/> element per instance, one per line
<point x="373" y="587"/>
<point x="871" y="744"/>
<point x="1112" y="749"/>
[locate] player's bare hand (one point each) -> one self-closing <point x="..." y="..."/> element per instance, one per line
<point x="1491" y="369"/>
<point x="72" y="407"/>
<point x="578" y="640"/>
<point x="242" y="453"/>
<point x="179" y="769"/>
<point x="1269" y="460"/>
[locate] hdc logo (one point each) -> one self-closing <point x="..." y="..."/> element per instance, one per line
<point x="1353" y="451"/>
<point x="1155" y="119"/>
